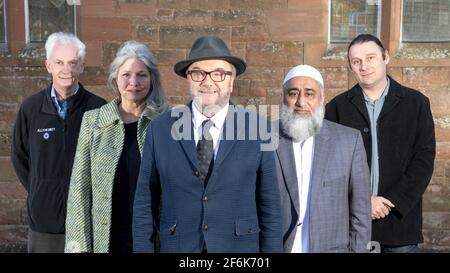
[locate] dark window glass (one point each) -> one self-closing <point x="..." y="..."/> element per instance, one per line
<point x="426" y="21"/>
<point x="48" y="16"/>
<point x="2" y="22"/>
<point x="349" y="18"/>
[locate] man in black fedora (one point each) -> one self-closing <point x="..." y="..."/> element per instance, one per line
<point x="207" y="183"/>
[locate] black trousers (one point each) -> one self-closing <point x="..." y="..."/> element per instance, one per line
<point x="39" y="242"/>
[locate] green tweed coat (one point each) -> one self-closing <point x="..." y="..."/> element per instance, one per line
<point x="89" y="203"/>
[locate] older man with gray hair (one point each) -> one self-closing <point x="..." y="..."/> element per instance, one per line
<point x="202" y="189"/>
<point x="322" y="171"/>
<point x="45" y="139"/>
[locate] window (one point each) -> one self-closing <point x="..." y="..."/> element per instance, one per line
<point x="48" y="16"/>
<point x="426" y="21"/>
<point x="349" y="18"/>
<point x="2" y="22"/>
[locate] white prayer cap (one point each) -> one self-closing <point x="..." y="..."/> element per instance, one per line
<point x="305" y="71"/>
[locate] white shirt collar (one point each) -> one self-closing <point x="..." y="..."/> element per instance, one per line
<point x="53" y="92"/>
<point x="303" y="142"/>
<point x="218" y="119"/>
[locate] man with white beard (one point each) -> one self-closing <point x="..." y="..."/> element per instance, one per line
<point x="322" y="171"/>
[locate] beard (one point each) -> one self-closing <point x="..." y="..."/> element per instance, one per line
<point x="211" y="109"/>
<point x="301" y="127"/>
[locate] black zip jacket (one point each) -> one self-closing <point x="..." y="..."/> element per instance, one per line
<point x="43" y="151"/>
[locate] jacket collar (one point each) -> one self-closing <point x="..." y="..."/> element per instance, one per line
<point x="73" y="102"/>
<point x="398" y="93"/>
<point x="395" y="90"/>
<point x="225" y="147"/>
<point x="286" y="156"/>
<point x="109" y="113"/>
<point x="395" y="94"/>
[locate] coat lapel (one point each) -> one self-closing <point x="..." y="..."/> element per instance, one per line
<point x="48" y="105"/>
<point x="226" y="144"/>
<point x="286" y="157"/>
<point x="187" y="144"/>
<point x="109" y="114"/>
<point x="148" y="114"/>
<point x="393" y="97"/>
<point x="322" y="149"/>
<point x="190" y="151"/>
<point x="357" y="98"/>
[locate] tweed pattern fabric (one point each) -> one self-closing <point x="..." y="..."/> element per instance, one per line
<point x="100" y="144"/>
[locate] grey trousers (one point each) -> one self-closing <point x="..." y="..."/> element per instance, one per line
<point x="39" y="242"/>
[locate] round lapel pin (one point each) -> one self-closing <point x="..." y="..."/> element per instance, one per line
<point x="46" y="136"/>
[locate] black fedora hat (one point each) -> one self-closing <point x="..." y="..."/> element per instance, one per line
<point x="209" y="48"/>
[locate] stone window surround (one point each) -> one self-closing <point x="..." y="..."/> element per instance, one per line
<point x="423" y="53"/>
<point x="16" y="44"/>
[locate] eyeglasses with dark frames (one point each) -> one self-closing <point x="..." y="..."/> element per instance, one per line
<point x="216" y="75"/>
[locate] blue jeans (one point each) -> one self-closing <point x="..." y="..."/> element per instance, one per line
<point x="399" y="249"/>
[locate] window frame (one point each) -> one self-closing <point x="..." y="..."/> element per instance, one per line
<point x="27" y="21"/>
<point x="322" y="53"/>
<point x="5" y="23"/>
<point x="378" y="26"/>
<point x="413" y="41"/>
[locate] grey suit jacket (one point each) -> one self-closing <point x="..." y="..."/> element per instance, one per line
<point x="340" y="213"/>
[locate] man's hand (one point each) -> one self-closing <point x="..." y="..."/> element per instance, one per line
<point x="380" y="207"/>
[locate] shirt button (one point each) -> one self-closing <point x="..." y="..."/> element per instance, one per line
<point x="205" y="227"/>
<point x="366" y="130"/>
<point x="196" y="173"/>
<point x="205" y="198"/>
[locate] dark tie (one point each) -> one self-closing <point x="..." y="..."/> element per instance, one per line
<point x="205" y="151"/>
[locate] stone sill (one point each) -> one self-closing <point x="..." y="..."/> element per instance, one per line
<point x="335" y="52"/>
<point x="4" y="51"/>
<point x="433" y="249"/>
<point x="443" y="122"/>
<point x="423" y="51"/>
<point x="32" y="51"/>
<point x="19" y="247"/>
<point x="407" y="51"/>
<point x="13" y="239"/>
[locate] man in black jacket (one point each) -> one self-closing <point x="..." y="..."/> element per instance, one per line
<point x="45" y="138"/>
<point x="398" y="132"/>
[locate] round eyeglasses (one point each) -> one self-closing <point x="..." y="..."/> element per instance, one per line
<point x="216" y="75"/>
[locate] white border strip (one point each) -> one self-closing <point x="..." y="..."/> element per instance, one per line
<point x="329" y="22"/>
<point x="5" y="21"/>
<point x="379" y="15"/>
<point x="27" y="21"/>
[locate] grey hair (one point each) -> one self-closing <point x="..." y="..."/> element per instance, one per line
<point x="63" y="38"/>
<point x="233" y="69"/>
<point x="133" y="49"/>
